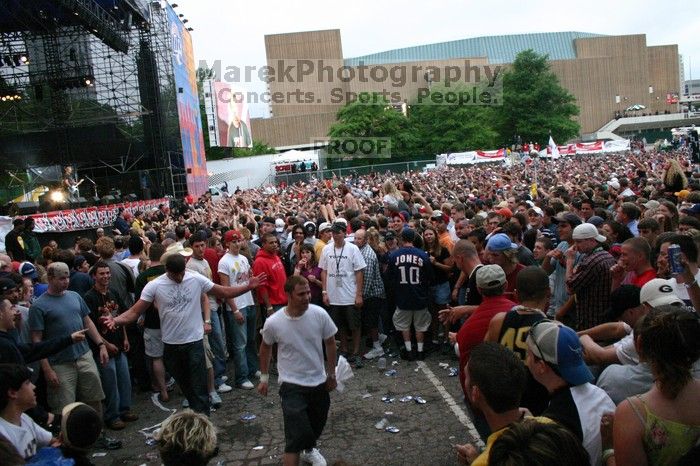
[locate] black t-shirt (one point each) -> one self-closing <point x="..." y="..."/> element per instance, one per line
<point x="151" y="319"/>
<point x="440" y="276"/>
<point x="105" y="304"/>
<point x="513" y="336"/>
<point x="473" y="297"/>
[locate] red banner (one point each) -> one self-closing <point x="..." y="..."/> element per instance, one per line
<point x="87" y="218"/>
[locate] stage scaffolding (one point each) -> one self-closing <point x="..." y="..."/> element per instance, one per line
<point x="93" y="88"/>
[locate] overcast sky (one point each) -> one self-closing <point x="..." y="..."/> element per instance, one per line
<point x="233" y="31"/>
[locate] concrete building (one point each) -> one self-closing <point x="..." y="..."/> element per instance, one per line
<point x="606" y="74"/>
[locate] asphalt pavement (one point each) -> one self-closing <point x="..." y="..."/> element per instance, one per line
<point x="411" y="433"/>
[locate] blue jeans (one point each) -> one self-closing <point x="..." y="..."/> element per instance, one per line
<point x="216" y="343"/>
<point x="186" y="364"/>
<point x="117" y="387"/>
<point x="244" y="355"/>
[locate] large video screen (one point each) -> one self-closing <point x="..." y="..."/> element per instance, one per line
<point x="232" y="116"/>
<point x="188" y="107"/>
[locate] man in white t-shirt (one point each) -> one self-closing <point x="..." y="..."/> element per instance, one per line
<point x="342" y="276"/>
<point x="17" y="396"/>
<point x="234" y="269"/>
<point x="177" y="295"/>
<point x="304" y="381"/>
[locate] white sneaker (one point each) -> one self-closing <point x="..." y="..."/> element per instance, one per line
<point x="247" y="385"/>
<point x="215" y="400"/>
<point x="185" y="403"/>
<point x="313" y="457"/>
<point x="258" y="374"/>
<point x="223" y="388"/>
<point x="382" y="338"/>
<point x="374" y="353"/>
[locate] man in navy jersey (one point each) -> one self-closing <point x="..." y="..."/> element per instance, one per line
<point x="410" y="273"/>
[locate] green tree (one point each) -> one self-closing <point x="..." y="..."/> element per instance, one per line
<point x="371" y="116"/>
<point x="442" y="128"/>
<point x="535" y="105"/>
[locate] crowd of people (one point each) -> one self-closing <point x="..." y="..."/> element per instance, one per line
<point x="566" y="288"/>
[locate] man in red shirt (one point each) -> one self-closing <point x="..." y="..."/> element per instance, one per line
<point x="634" y="266"/>
<point x="271" y="295"/>
<point x="491" y="282"/>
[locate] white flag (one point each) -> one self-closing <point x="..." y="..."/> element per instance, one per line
<point x="553" y="149"/>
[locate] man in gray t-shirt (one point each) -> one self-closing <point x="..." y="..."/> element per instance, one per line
<point x="71" y="375"/>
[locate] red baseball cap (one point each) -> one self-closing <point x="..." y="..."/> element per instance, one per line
<point x="232" y="235"/>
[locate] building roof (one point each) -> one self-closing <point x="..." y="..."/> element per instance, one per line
<point x="498" y="49"/>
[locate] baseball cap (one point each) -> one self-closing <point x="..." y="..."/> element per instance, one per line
<point x="623" y="298"/>
<point x="339" y="226"/>
<point x="595" y="220"/>
<point x="7" y="284"/>
<point x="652" y="204"/>
<point x="536" y="210"/>
<point x="27" y="269"/>
<point x="232" y="235"/>
<point x="587" y="231"/>
<point x="490" y="276"/>
<point x="389" y="236"/>
<point x="58" y="270"/>
<point x="175" y="248"/>
<point x="500" y="242"/>
<point x="268" y="220"/>
<point x="682" y="194"/>
<point x="324" y="226"/>
<point x="658" y="292"/>
<point x="559" y="346"/>
<point x="279" y="225"/>
<point x="694" y="209"/>
<point x="568" y="217"/>
<point x="505" y="212"/>
<point x="80" y="426"/>
<point x="408" y="235"/>
<point x="438" y="215"/>
<point x="310" y="228"/>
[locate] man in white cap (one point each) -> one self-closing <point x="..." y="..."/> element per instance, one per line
<point x="590" y="280"/>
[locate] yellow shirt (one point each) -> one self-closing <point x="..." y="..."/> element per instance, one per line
<point x="318" y="249"/>
<point x="483" y="458"/>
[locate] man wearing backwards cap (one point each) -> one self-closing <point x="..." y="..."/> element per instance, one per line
<point x="628" y="305"/>
<point x="555" y="359"/>
<point x="491" y="283"/>
<point x="590" y="280"/>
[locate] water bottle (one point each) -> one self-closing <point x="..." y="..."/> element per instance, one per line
<point x="381" y="363"/>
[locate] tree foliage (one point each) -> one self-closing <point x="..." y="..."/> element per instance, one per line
<point x="442" y="128"/>
<point x="371" y="116"/>
<point x="534" y="103"/>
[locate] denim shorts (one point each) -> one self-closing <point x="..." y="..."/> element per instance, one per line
<point x="441" y="293"/>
